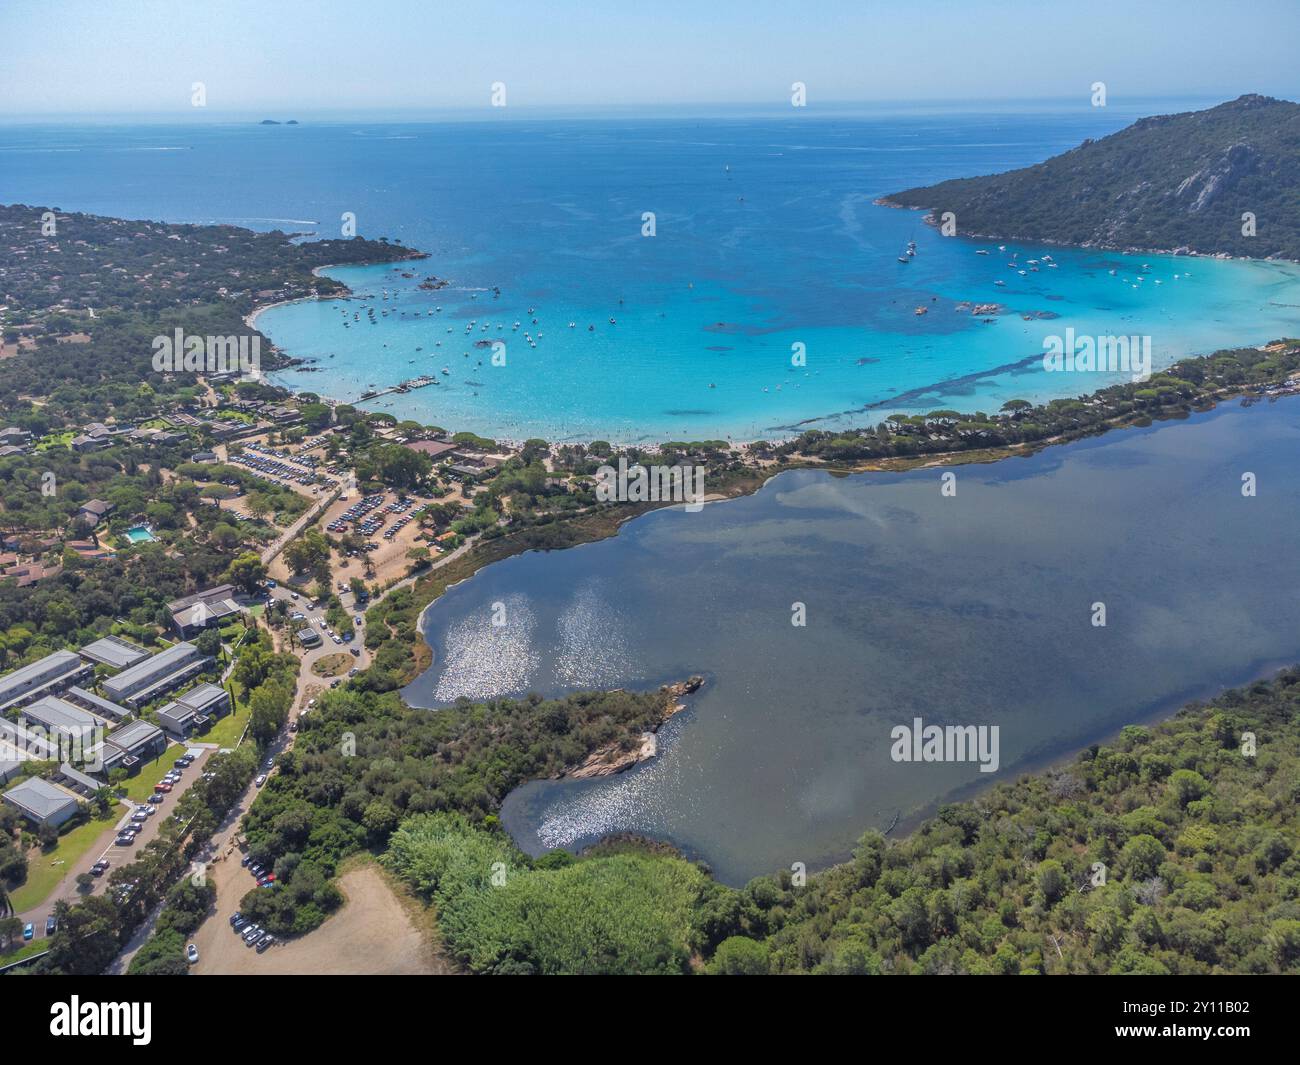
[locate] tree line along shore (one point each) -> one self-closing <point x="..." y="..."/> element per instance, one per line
<point x="1197" y="840"/>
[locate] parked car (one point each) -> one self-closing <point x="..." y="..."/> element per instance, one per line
<point x="162" y="786"/>
<point x="50" y="925"/>
<point x="257" y="869"/>
<point x="235" y="917"/>
<point x="192" y="953"/>
<point x="28" y="932"/>
<point x="264" y="942"/>
<point x="261" y="779"/>
<point x="123" y="841"/>
<point x="155" y="798"/>
<point x="99" y="868"/>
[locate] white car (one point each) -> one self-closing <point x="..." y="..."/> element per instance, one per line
<point x="261" y="779"/>
<point x="192" y="953"/>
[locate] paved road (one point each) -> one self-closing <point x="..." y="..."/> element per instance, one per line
<point x="231" y="881"/>
<point x="222" y="845"/>
<point x="318" y="507"/>
<point x="105" y="848"/>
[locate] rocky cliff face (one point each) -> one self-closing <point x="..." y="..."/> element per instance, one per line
<point x="1205" y="186"/>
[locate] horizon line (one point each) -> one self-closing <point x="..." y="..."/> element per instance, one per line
<point x="283" y="113"/>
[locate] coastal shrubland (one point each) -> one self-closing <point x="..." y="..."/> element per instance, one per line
<point x="1171" y="849"/>
<point x="1166" y="182"/>
<point x="1197" y="842"/>
<point x="107" y="295"/>
<point x="363" y="763"/>
<point x="499" y="913"/>
<point x="1189" y="385"/>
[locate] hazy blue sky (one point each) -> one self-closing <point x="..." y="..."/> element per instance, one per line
<point x="113" y="56"/>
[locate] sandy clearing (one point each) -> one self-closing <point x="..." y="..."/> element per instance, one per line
<point x="372" y="934"/>
<point x="388" y="560"/>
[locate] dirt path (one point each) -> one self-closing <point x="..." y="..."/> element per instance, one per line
<point x="372" y="934"/>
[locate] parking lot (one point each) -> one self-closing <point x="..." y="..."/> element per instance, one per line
<point x="112" y="855"/>
<point x="298" y="472"/>
<point x="115" y="853"/>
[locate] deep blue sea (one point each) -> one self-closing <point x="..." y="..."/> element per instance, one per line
<point x="765" y="237"/>
<point x="970" y="609"/>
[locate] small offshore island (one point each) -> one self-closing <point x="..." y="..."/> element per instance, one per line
<point x="276" y="498"/>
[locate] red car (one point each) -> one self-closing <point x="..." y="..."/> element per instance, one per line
<point x="162" y="786"/>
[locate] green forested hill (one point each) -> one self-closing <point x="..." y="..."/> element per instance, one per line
<point x="1165" y="182"/>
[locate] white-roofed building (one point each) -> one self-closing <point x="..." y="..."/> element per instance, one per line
<point x="155" y="676"/>
<point x="114" y="652"/>
<point x="48" y="675"/>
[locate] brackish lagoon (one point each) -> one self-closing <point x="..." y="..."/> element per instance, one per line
<point x="970" y="609"/>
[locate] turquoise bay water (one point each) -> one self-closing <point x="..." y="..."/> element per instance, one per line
<point x="702" y="360"/>
<point x="974" y="609"/>
<point x="766" y="237"/>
